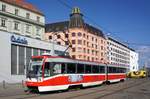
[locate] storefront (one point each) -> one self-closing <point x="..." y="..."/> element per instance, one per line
<point x="15" y="53"/>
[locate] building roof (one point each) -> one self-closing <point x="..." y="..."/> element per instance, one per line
<point x="23" y="4"/>
<point x="116" y="41"/>
<point x="76" y="21"/>
<point x="61" y="26"/>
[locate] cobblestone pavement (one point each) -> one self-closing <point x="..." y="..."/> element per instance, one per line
<point x="130" y="89"/>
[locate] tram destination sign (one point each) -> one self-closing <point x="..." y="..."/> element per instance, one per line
<point x="18" y="39"/>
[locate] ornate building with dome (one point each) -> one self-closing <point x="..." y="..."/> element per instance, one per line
<point x="85" y="42"/>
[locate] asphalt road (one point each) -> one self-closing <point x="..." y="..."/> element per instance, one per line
<point x="130" y="89"/>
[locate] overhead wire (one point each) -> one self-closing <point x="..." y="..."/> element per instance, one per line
<point x="101" y="27"/>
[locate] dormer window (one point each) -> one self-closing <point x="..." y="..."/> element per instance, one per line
<point x="16" y="11"/>
<point x="28" y="15"/>
<point x="38" y="19"/>
<point x="3" y="7"/>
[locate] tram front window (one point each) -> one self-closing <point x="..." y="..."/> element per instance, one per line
<point x="35" y="68"/>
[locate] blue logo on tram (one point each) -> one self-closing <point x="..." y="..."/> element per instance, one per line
<point x="18" y="40"/>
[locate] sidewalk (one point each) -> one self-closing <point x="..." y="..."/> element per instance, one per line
<point x="11" y="89"/>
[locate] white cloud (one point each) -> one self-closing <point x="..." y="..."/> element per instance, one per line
<point x="143" y="49"/>
<point x="144" y="55"/>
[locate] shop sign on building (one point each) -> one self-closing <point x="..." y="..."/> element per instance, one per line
<point x="18" y="39"/>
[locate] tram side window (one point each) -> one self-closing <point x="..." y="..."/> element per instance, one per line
<point x="63" y="68"/>
<point x="101" y="69"/>
<point x="122" y="70"/>
<point x="47" y="70"/>
<point x="57" y="69"/>
<point x="95" y="69"/>
<point x="80" y="68"/>
<point x="87" y="68"/>
<point x="71" y="68"/>
<point x="110" y="69"/>
<point x="116" y="70"/>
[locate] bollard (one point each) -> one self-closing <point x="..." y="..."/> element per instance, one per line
<point x="22" y="84"/>
<point x="4" y="84"/>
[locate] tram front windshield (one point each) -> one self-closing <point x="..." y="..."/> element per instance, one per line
<point x="35" y="68"/>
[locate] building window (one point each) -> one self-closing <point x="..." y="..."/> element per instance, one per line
<point x="92" y="52"/>
<point x="73" y="41"/>
<point x="88" y="44"/>
<point x="84" y="42"/>
<point x="96" y="46"/>
<point x="13" y="59"/>
<point x="88" y="58"/>
<point x="73" y="56"/>
<point x="102" y="54"/>
<point x="66" y="35"/>
<point x="79" y="34"/>
<point x="92" y="38"/>
<point x="3" y="7"/>
<point x="88" y="51"/>
<point x="80" y="42"/>
<point x="92" y="45"/>
<point x="87" y="37"/>
<point x="28" y="28"/>
<point x="21" y="56"/>
<point x="96" y="40"/>
<point x="16" y="26"/>
<point x="38" y="31"/>
<point x="16" y="11"/>
<point x="58" y="43"/>
<point x="73" y="34"/>
<point x="66" y="43"/>
<point x="96" y="52"/>
<point x="73" y="49"/>
<point x="84" y="50"/>
<point x="92" y="58"/>
<point x="58" y="36"/>
<point x="38" y="19"/>
<point x="28" y="15"/>
<point x="102" y="41"/>
<point x="102" y="47"/>
<point x="84" y="35"/>
<point x="3" y="22"/>
<point x="50" y="37"/>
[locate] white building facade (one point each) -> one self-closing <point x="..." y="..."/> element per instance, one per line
<point x="134" y="58"/>
<point x="20" y="17"/>
<point x="117" y="53"/>
<point x="21" y="36"/>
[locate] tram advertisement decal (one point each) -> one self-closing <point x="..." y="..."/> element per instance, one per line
<point x="75" y="78"/>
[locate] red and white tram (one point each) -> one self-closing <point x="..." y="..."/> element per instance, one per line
<point x="51" y="73"/>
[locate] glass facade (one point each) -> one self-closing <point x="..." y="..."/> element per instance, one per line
<point x="20" y="58"/>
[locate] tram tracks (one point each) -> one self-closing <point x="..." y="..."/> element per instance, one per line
<point x="113" y="89"/>
<point x="130" y="85"/>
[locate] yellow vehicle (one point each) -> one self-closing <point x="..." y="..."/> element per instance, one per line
<point x="137" y="74"/>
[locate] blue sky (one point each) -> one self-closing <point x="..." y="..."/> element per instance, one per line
<point x="126" y="20"/>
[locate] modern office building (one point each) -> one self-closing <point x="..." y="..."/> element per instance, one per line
<point x="86" y="42"/>
<point x="117" y="52"/>
<point x="21" y="36"/>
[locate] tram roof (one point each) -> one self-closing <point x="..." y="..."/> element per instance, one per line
<point x="61" y="59"/>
